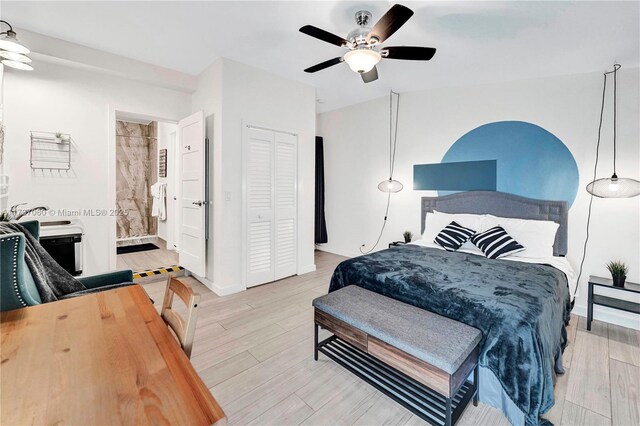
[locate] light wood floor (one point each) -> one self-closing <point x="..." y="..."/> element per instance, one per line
<point x="150" y="259"/>
<point x="254" y="350"/>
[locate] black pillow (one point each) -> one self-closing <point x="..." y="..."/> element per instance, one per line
<point x="496" y="243"/>
<point x="453" y="236"/>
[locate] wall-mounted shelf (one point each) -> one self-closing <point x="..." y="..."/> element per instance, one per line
<point x="49" y="152"/>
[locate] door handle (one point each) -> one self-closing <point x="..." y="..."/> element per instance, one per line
<point x="198" y="203"/>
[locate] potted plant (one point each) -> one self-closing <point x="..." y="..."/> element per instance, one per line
<point x="408" y="235"/>
<point x="618" y="272"/>
<point x="58" y="137"/>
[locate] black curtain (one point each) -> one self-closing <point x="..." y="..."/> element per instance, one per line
<point x="321" y="224"/>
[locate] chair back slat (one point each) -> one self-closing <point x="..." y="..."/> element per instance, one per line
<point x="181" y="290"/>
<point x="184" y="328"/>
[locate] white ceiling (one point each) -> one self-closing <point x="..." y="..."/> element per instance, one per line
<point x="477" y="42"/>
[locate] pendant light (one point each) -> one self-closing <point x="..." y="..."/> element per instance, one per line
<point x="613" y="187"/>
<point x="12" y="53"/>
<point x="391" y="185"/>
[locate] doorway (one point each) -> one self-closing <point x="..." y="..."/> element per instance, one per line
<point x="145" y="194"/>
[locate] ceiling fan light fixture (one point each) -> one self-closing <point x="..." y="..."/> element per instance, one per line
<point x="9" y="42"/>
<point x="17" y="65"/>
<point x="362" y="60"/>
<point x="363" y="43"/>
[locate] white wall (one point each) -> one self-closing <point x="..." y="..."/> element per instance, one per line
<point x="356" y="159"/>
<point x="77" y="101"/>
<point x="235" y="93"/>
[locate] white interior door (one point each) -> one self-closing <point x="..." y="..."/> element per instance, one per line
<point x="193" y="200"/>
<point x="259" y="206"/>
<point x="285" y="205"/>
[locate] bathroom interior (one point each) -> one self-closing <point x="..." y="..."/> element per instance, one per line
<point x="145" y="193"/>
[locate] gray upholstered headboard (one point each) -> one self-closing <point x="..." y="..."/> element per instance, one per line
<point x="505" y="205"/>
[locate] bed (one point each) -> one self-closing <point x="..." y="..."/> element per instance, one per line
<point x="522" y="307"/>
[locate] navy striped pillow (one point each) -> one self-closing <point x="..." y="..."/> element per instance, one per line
<point x="453" y="236"/>
<point x="496" y="243"/>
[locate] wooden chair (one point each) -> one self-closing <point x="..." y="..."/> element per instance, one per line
<point x="184" y="329"/>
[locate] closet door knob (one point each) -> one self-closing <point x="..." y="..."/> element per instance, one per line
<point x="198" y="203"/>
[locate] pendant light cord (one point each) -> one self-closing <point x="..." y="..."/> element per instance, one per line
<point x="393" y="143"/>
<point x="595" y="168"/>
<point x="8" y="24"/>
<point x="393" y="132"/>
<point x="384" y="224"/>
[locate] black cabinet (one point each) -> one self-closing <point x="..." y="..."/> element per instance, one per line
<point x="66" y="250"/>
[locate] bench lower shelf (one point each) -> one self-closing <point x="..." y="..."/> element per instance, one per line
<point x="414" y="396"/>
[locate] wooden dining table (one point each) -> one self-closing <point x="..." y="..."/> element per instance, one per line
<point x="100" y="359"/>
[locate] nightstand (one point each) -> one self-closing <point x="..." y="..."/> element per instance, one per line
<point x="610" y="301"/>
<point x="396" y="243"/>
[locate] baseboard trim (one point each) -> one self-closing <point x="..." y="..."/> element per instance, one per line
<point x="219" y="290"/>
<point x="339" y="252"/>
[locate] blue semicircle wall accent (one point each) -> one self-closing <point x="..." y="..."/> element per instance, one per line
<point x="531" y="161"/>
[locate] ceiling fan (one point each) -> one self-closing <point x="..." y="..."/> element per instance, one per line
<point x="364" y="43"/>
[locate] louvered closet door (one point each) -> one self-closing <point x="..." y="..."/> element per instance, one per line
<point x="285" y="205"/>
<point x="260" y="207"/>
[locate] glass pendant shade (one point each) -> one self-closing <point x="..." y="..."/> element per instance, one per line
<point x="362" y="60"/>
<point x="10" y="42"/>
<point x="614" y="187"/>
<point x="17" y="65"/>
<point x="390" y="185"/>
<point x="13" y="56"/>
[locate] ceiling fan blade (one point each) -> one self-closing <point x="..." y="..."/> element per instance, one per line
<point x="390" y="23"/>
<point x="411" y="53"/>
<point x="323" y="35"/>
<point x="325" y="64"/>
<point x="370" y="76"/>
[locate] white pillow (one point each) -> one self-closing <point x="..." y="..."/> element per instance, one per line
<point x="536" y="236"/>
<point x="436" y="222"/>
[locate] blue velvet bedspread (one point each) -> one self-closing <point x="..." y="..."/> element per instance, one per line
<point x="521" y="309"/>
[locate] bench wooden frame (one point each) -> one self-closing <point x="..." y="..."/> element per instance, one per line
<point x="431" y="393"/>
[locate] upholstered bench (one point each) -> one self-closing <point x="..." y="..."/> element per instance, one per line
<point x="420" y="359"/>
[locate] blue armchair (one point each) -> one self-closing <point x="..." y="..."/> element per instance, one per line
<point x="17" y="287"/>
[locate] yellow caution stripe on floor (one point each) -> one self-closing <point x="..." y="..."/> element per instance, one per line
<point x="152" y="272"/>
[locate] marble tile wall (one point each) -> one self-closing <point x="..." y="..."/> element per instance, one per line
<point x="136" y="171"/>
